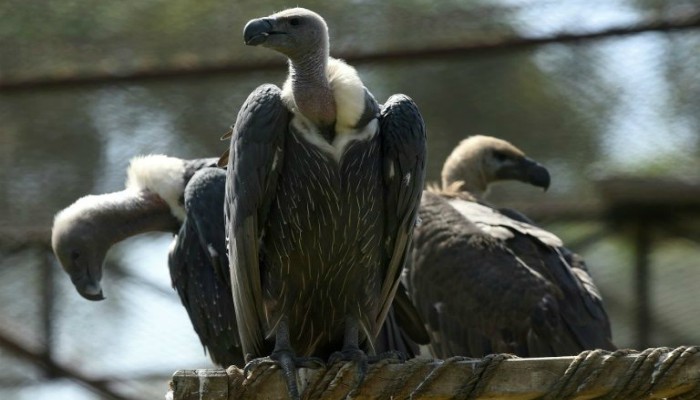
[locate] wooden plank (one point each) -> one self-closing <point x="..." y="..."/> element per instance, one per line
<point x="199" y="384"/>
<point x="514" y="379"/>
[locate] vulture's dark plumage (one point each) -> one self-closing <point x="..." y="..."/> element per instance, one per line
<point x="322" y="194"/>
<point x="487" y="280"/>
<point x="163" y="194"/>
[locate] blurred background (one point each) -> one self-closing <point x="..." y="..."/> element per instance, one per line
<point x="605" y="93"/>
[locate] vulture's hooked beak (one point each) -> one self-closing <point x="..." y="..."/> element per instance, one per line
<point x="528" y="171"/>
<point x="256" y="31"/>
<point x="87" y="286"/>
<point x="92" y="292"/>
<point x="537" y="174"/>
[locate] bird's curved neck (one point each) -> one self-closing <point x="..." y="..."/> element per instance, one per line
<point x="470" y="180"/>
<point x="128" y="213"/>
<point x="311" y="89"/>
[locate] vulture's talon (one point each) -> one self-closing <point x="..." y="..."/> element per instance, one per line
<point x="282" y="357"/>
<point x="348" y="355"/>
<point x="256" y="362"/>
<point x="288" y="362"/>
<point x="355" y="355"/>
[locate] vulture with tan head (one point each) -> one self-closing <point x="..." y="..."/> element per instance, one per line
<point x="487" y="280"/>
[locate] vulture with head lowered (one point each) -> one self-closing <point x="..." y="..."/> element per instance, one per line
<point x="185" y="197"/>
<point x="322" y="194"/>
<point x="487" y="280"/>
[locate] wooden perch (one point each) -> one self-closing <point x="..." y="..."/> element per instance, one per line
<point x="624" y="374"/>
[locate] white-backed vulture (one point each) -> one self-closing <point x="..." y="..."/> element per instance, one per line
<point x="322" y="195"/>
<point x="185" y="197"/>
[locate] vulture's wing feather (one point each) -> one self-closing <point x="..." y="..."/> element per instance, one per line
<point x="475" y="294"/>
<point x="590" y="292"/>
<point x="223" y="160"/>
<point x="210" y="184"/>
<point x="204" y="202"/>
<point x="403" y="149"/>
<point x="198" y="267"/>
<point x="408" y="318"/>
<point x="583" y="322"/>
<point x="499" y="225"/>
<point x="256" y="157"/>
<point x="572" y="318"/>
<point x="588" y="320"/>
<point x="515" y="215"/>
<point x="392" y="338"/>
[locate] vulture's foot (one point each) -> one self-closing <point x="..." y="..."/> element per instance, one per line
<point x="351" y="350"/>
<point x="288" y="362"/>
<point x="352" y="354"/>
<point x="286" y="359"/>
<point x="281" y="357"/>
<point x="348" y="354"/>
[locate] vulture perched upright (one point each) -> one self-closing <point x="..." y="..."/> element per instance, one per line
<point x="322" y="194"/>
<point x="487" y="280"/>
<point x="162" y="194"/>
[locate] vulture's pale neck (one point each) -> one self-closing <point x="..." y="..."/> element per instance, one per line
<point x="465" y="175"/>
<point x="312" y="91"/>
<point x="118" y="215"/>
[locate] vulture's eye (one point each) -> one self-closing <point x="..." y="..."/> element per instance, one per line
<point x="500" y="156"/>
<point x="294" y="21"/>
<point x="74" y="255"/>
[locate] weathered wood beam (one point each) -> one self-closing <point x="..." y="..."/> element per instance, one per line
<point x="653" y="374"/>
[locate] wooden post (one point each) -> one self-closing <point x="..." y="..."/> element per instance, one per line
<point x="642" y="246"/>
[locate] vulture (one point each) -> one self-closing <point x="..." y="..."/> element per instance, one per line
<point x="487" y="280"/>
<point x="185" y="197"/>
<point x="322" y="193"/>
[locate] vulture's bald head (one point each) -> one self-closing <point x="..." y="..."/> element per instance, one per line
<point x="83" y="232"/>
<point x="81" y="245"/>
<point x="301" y="35"/>
<point x="296" y="33"/>
<point x="479" y="161"/>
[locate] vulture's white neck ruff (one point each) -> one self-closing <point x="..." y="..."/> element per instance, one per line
<point x="349" y="95"/>
<point x="162" y="175"/>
